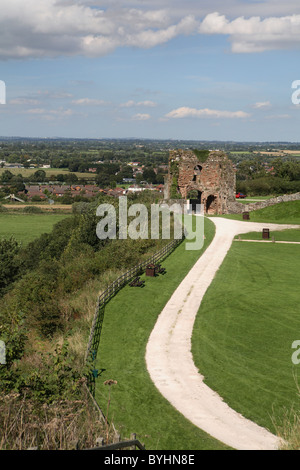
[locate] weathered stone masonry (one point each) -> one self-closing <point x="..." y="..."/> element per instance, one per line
<point x="208" y="179"/>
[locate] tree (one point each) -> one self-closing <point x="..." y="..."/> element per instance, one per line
<point x="149" y="175"/>
<point x="6" y="176"/>
<point x="39" y="175"/>
<point x="71" y="178"/>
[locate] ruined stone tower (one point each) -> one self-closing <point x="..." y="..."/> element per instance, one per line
<point x="203" y="177"/>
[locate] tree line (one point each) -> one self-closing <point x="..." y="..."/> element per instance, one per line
<point x="278" y="177"/>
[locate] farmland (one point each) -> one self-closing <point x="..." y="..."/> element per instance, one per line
<point x="27" y="172"/>
<point x="27" y="227"/>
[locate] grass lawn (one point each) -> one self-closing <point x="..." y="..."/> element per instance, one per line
<point x="282" y="213"/>
<point x="136" y="405"/>
<point x="26" y="227"/>
<point x="251" y="199"/>
<point x="290" y="235"/>
<point x="257" y="198"/>
<point x="243" y="334"/>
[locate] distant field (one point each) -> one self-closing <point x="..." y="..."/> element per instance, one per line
<point x="44" y="207"/>
<point x="26" y="172"/>
<point x="236" y="152"/>
<point x="279" y="153"/>
<point x="26" y="227"/>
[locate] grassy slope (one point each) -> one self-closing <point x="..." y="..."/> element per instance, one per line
<point x="26" y="227"/>
<point x="282" y="213"/>
<point x="245" y="328"/>
<point x="136" y="405"/>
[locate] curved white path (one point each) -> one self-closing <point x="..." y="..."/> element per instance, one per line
<point x="169" y="359"/>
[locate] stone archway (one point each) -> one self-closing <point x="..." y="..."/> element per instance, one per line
<point x="211" y="205"/>
<point x="195" y="198"/>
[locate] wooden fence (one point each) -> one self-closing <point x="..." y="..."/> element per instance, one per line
<point x="132" y="444"/>
<point x="113" y="288"/>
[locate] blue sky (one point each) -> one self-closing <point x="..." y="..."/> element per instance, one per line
<point x="217" y="70"/>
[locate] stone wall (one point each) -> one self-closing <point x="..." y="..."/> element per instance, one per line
<point x="238" y="208"/>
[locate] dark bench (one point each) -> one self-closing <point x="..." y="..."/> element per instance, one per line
<point x="137" y="283"/>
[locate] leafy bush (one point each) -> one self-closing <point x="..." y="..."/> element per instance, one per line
<point x="33" y="210"/>
<point x="10" y="263"/>
<point x="13" y="333"/>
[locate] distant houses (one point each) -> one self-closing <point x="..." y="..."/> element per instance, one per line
<point x="44" y="191"/>
<point x="58" y="191"/>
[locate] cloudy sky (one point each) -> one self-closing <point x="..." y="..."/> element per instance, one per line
<point x="192" y="69"/>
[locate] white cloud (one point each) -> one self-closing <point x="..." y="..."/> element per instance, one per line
<point x="131" y="104"/>
<point x="186" y="112"/>
<point x="37" y="98"/>
<point x="89" y="102"/>
<point x="262" y="104"/>
<point x="255" y="34"/>
<point x="151" y="37"/>
<point x="141" y="117"/>
<point x="50" y="114"/>
<point x="51" y="28"/>
<point x="24" y="101"/>
<point x="36" y="111"/>
<point x="128" y="104"/>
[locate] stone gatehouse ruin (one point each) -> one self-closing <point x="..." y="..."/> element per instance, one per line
<point x="202" y="177"/>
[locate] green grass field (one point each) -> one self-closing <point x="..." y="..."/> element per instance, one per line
<point x="136" y="405"/>
<point x="26" y="227"/>
<point x="245" y="328"/>
<point x="290" y="235"/>
<point x="282" y="213"/>
<point x="26" y="172"/>
<point x="250" y="200"/>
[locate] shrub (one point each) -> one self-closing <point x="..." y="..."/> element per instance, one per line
<point x="33" y="210"/>
<point x="10" y="263"/>
<point x="62" y="425"/>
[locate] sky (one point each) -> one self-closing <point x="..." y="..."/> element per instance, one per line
<point x="193" y="69"/>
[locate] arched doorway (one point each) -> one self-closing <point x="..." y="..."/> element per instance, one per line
<point x="195" y="198"/>
<point x="211" y="204"/>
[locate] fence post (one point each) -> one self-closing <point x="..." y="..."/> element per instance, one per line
<point x="133" y="438"/>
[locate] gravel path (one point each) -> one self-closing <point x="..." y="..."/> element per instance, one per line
<point x="169" y="359"/>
